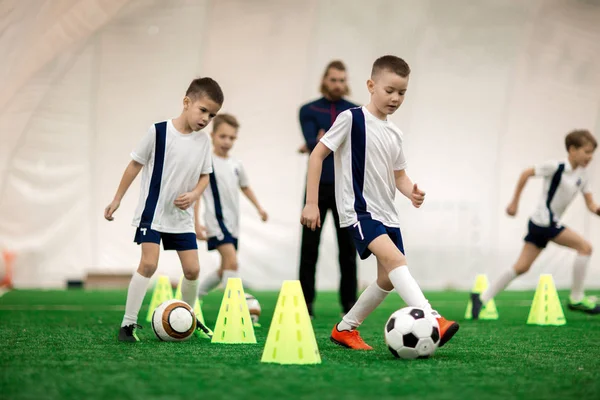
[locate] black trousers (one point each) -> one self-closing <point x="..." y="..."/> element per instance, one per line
<point x="309" y="254"/>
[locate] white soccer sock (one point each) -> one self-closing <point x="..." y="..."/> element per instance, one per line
<point x="408" y="288"/>
<point x="228" y="273"/>
<point x="367" y="302"/>
<point x="579" y="270"/>
<point x="189" y="289"/>
<point x="135" y="297"/>
<point x="210" y="282"/>
<point x="498" y="285"/>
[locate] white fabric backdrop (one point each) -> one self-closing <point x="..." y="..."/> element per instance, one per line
<point x="495" y="87"/>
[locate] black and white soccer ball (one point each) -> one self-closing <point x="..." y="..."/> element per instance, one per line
<point x="173" y="321"/>
<point x="411" y="333"/>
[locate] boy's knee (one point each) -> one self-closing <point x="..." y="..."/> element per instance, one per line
<point x="586" y="249"/>
<point x="393" y="261"/>
<point x="191" y="274"/>
<point x="147" y="268"/>
<point x="231" y="265"/>
<point x="520" y="269"/>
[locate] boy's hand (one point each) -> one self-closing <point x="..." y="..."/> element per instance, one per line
<point x="184" y="201"/>
<point x="310" y="217"/>
<point x="417" y="196"/>
<point x="512" y="209"/>
<point x="110" y="210"/>
<point x="263" y="215"/>
<point x="201" y="232"/>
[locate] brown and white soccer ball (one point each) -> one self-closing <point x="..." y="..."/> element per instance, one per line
<point x="253" y="307"/>
<point x="173" y="321"/>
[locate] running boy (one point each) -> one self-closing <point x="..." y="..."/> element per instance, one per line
<point x="222" y="214"/>
<point x="175" y="159"/>
<point x="370" y="166"/>
<point x="562" y="181"/>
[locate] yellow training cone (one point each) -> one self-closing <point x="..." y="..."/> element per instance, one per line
<point x="291" y="338"/>
<point x="234" y="324"/>
<point x="546" y="308"/>
<point x="488" y="311"/>
<point x="161" y="293"/>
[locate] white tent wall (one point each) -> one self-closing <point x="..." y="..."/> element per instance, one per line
<point x="495" y="87"/>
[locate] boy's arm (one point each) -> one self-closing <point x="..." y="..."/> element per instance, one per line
<point x="185" y="200"/>
<point x="249" y="193"/>
<point x="132" y="170"/>
<point x="408" y="189"/>
<point x="514" y="204"/>
<point x="310" y="215"/>
<point x="591" y="205"/>
<point x="200" y="229"/>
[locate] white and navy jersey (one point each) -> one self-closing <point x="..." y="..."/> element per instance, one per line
<point x="561" y="184"/>
<point x="222" y="197"/>
<point x="173" y="163"/>
<point x="367" y="151"/>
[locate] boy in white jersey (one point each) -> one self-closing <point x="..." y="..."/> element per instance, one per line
<point x="221" y="201"/>
<point x="369" y="167"/>
<point x="176" y="160"/>
<point x="562" y="181"/>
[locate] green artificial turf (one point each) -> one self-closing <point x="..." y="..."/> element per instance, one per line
<point x="62" y="345"/>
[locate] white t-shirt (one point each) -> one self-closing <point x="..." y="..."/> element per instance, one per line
<point x="171" y="167"/>
<point x="227" y="178"/>
<point x="561" y="184"/>
<point x="369" y="158"/>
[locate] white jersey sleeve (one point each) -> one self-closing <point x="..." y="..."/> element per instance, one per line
<point x="243" y="177"/>
<point x="546" y="169"/>
<point x="143" y="150"/>
<point x="339" y="131"/>
<point x="586" y="187"/>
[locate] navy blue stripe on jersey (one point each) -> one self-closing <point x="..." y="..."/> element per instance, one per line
<point x="358" y="138"/>
<point x="553" y="187"/>
<point x="217" y="200"/>
<point x="156" y="179"/>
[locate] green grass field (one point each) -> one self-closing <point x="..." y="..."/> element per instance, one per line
<point x="62" y="345"/>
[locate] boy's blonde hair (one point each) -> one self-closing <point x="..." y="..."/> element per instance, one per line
<point x="390" y="63"/>
<point x="225" y="119"/>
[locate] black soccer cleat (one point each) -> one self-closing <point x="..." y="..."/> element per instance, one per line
<point x="127" y="333"/>
<point x="477" y="305"/>
<point x="201" y="327"/>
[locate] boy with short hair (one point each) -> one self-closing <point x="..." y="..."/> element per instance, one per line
<point x="222" y="214"/>
<point x="562" y="181"/>
<point x="175" y="159"/>
<point x="370" y="166"/>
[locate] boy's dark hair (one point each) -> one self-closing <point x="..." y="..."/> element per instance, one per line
<point x="224" y="119"/>
<point x="340" y="66"/>
<point x="579" y="138"/>
<point x="205" y="87"/>
<point x="390" y="63"/>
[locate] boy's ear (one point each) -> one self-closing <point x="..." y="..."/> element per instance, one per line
<point x="186" y="102"/>
<point x="371" y="86"/>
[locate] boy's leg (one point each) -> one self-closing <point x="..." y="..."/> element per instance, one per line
<point x="191" y="269"/>
<point x="137" y="290"/>
<point x="578" y="301"/>
<point x="394" y="262"/>
<point x="229" y="263"/>
<point x="345" y="333"/>
<point x="529" y="254"/>
<point x="209" y="282"/>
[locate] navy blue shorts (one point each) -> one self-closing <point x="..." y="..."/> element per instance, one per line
<point x="541" y="235"/>
<point x="214" y="242"/>
<point x="170" y="241"/>
<point x="367" y="229"/>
